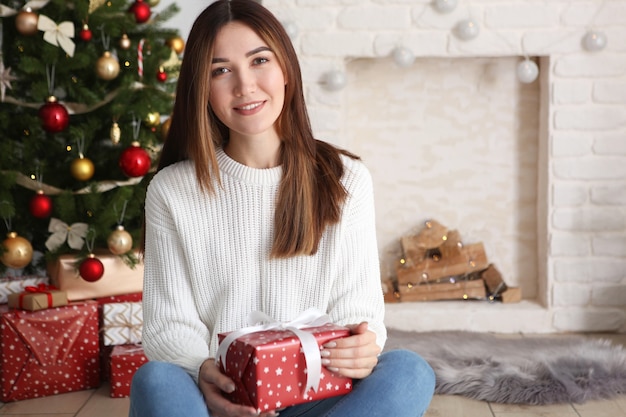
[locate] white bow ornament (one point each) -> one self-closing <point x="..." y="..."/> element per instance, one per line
<point x="74" y="234"/>
<point x="310" y="318"/>
<point x="57" y="35"/>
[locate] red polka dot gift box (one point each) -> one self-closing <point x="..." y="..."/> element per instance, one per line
<point x="281" y="367"/>
<point x="125" y="360"/>
<point x="48" y="352"/>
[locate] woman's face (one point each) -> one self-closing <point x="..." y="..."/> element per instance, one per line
<point x="247" y="89"/>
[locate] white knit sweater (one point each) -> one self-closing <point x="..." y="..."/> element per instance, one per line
<point x="207" y="261"/>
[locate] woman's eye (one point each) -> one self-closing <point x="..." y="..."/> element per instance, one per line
<point x="219" y="71"/>
<point x="260" y="60"/>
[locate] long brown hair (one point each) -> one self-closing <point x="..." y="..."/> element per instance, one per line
<point x="311" y="194"/>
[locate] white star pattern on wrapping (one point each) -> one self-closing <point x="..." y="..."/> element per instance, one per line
<point x="288" y="389"/>
<point x="259" y="383"/>
<point x="284" y="359"/>
<point x="279" y="371"/>
<point x="278" y="404"/>
<point x="348" y="385"/>
<point x="255" y="360"/>
<point x="329" y="386"/>
<point x="266" y="370"/>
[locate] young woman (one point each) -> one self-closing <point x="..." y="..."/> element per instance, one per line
<point x="249" y="212"/>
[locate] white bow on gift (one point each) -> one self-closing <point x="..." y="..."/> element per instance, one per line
<point x="310" y="318"/>
<point x="74" y="234"/>
<point x="57" y="35"/>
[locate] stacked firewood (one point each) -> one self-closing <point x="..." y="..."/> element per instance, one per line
<point x="437" y="265"/>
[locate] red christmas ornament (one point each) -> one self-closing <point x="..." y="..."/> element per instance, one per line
<point x="141" y="11"/>
<point x="54" y="116"/>
<point x="135" y="161"/>
<point x="161" y="75"/>
<point x="91" y="269"/>
<point x="40" y="205"/>
<point x="85" y="33"/>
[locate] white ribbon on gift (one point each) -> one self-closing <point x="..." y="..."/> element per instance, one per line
<point x="57" y="35"/>
<point x="309" y="318"/>
<point x="74" y="234"/>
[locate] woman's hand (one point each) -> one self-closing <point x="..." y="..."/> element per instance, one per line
<point x="354" y="356"/>
<point x="213" y="383"/>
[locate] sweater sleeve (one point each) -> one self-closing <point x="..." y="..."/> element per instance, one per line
<point x="357" y="295"/>
<point x="173" y="331"/>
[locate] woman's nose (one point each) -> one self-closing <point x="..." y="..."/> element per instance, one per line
<point x="246" y="83"/>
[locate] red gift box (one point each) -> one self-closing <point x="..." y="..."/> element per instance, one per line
<point x="48" y="352"/>
<point x="125" y="360"/>
<point x="269" y="368"/>
<point x="105" y="351"/>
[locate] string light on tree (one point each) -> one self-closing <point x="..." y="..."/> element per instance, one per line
<point x="527" y="71"/>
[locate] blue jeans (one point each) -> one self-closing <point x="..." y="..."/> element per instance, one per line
<point x="401" y="385"/>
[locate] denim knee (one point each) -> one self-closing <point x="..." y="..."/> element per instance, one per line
<point x="412" y="373"/>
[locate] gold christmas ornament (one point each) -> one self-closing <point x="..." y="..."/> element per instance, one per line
<point x="125" y="42"/>
<point x="120" y="241"/>
<point x="177" y="44"/>
<point x="153" y="3"/>
<point x="26" y="22"/>
<point x="115" y="133"/>
<point x="82" y="168"/>
<point x="153" y="119"/>
<point x="107" y="66"/>
<point x="18" y="252"/>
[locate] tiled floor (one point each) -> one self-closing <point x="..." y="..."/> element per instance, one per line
<point x="97" y="403"/>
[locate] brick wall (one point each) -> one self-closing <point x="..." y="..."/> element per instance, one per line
<point x="582" y="138"/>
<point x="581" y="157"/>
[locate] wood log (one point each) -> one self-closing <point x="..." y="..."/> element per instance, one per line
<point x="390" y="292"/>
<point x="511" y="295"/>
<point x="412" y="249"/>
<point x="463" y="290"/>
<point x="471" y="258"/>
<point x="493" y="279"/>
<point x="432" y="235"/>
<point x="452" y="246"/>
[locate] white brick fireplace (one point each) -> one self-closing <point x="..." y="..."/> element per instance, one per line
<point x="537" y="172"/>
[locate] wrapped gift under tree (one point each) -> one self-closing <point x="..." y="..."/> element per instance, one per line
<point x="125" y="360"/>
<point x="49" y="351"/>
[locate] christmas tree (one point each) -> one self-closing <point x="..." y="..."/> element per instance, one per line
<point x="86" y="90"/>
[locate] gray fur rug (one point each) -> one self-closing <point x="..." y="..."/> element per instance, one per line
<point x="528" y="370"/>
